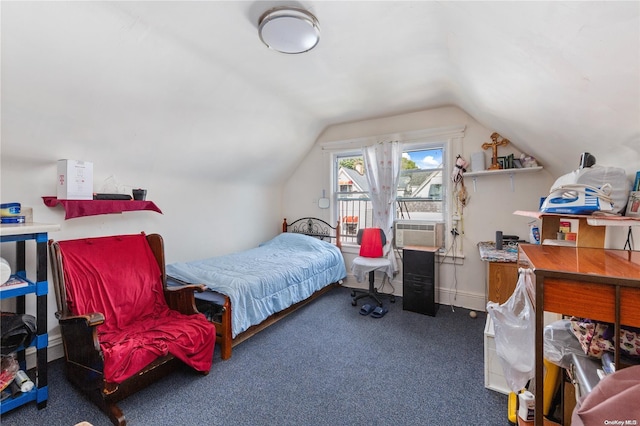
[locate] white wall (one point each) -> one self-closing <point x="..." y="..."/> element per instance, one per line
<point x="490" y="208"/>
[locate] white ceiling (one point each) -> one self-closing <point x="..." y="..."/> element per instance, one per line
<point x="190" y="82"/>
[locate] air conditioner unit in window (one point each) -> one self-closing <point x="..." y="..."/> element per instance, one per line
<point x="418" y="233"/>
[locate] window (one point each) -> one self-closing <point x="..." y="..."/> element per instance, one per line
<point x="352" y="194"/>
<point x="421" y="187"/>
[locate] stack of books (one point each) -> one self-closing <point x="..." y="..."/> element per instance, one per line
<point x="14" y="282"/>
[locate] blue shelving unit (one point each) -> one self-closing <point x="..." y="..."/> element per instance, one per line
<point x="20" y="234"/>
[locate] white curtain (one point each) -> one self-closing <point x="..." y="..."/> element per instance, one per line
<point x="382" y="169"/>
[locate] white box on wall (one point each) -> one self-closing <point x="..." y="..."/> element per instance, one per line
<point x="75" y="180"/>
<point x="477" y="162"/>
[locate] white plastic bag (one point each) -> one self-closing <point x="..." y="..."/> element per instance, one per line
<point x="514" y="325"/>
<point x="560" y="344"/>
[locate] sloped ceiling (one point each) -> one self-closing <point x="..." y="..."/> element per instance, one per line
<point x="172" y="83"/>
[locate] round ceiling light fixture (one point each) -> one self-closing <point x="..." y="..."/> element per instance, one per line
<point x="289" y="30"/>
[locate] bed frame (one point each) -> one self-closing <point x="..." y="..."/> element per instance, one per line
<point x="222" y="320"/>
<point x="314" y="227"/>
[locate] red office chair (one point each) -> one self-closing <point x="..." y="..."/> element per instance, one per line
<point x="371" y="259"/>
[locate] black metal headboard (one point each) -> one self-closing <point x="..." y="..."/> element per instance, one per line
<point x="314" y="227"/>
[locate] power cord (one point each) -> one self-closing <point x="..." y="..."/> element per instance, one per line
<point x="452" y="246"/>
<point x="385" y="281"/>
<point x="455" y="275"/>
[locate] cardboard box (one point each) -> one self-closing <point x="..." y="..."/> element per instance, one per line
<point x="565" y="226"/>
<point x="27" y="212"/>
<point x="75" y="180"/>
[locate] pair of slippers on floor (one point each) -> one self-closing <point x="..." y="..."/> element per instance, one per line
<point x="375" y="311"/>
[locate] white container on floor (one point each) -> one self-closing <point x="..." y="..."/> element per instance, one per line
<point x="493" y="374"/>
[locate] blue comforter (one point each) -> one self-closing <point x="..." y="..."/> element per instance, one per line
<point x="266" y="279"/>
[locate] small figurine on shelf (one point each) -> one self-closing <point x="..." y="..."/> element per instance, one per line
<point x="528" y="160"/>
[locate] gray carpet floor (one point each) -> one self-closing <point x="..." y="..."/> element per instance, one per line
<point x="322" y="365"/>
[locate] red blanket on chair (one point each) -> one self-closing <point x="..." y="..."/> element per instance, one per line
<point x="371" y="245"/>
<point x="119" y="277"/>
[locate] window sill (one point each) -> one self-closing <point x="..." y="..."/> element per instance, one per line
<point x="349" y="248"/>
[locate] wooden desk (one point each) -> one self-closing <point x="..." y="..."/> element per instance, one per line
<point x="502" y="271"/>
<point x="593" y="283"/>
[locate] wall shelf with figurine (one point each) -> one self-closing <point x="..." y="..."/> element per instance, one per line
<point x="506" y="165"/>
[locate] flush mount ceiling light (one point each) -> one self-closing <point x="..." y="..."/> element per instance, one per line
<point x="289" y="30"/>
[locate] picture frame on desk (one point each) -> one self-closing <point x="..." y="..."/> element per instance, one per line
<point x="633" y="205"/>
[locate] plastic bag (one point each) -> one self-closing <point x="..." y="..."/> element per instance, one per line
<point x="560" y="343"/>
<point x="514" y="325"/>
<point x="16" y="330"/>
<point x="8" y="370"/>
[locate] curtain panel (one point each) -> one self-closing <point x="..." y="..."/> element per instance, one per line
<point x="382" y="169"/>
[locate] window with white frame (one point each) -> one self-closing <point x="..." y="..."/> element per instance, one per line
<point x="422" y="188"/>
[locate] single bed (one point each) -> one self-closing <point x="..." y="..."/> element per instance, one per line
<point x="250" y="290"/>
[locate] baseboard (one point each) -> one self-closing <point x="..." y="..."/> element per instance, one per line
<point x="462" y="299"/>
<point x="445" y="296"/>
<point x="55" y="350"/>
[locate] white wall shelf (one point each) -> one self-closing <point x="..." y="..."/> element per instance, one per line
<point x="503" y="171"/>
<point x="510" y="172"/>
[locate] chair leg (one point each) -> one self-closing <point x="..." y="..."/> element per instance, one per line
<point x="372" y="293"/>
<point x="115" y="415"/>
<point x="110" y="408"/>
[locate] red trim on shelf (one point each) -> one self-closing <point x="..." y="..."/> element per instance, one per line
<point x="79" y="208"/>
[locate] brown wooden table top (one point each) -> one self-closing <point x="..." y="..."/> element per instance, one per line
<point x="591" y="264"/>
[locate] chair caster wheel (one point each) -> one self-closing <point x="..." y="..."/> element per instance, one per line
<point x="353" y="293"/>
<point x="392" y="299"/>
<point x="353" y="303"/>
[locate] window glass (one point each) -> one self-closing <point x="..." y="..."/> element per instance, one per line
<point x="352" y="195"/>
<point x="421" y="186"/>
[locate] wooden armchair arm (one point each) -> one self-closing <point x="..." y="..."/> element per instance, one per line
<point x="182" y="299"/>
<point x="90" y="320"/>
<point x="80" y="336"/>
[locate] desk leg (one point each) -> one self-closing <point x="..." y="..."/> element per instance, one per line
<point x="539" y="355"/>
<point x="616" y="330"/>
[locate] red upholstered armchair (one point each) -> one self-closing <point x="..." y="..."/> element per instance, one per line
<point x="121" y="327"/>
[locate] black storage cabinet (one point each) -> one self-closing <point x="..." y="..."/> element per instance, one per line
<point x="419" y="279"/>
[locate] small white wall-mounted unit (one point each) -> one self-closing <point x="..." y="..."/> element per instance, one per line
<point x="418" y="233"/>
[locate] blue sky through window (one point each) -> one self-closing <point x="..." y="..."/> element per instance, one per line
<point x="425" y="159"/>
